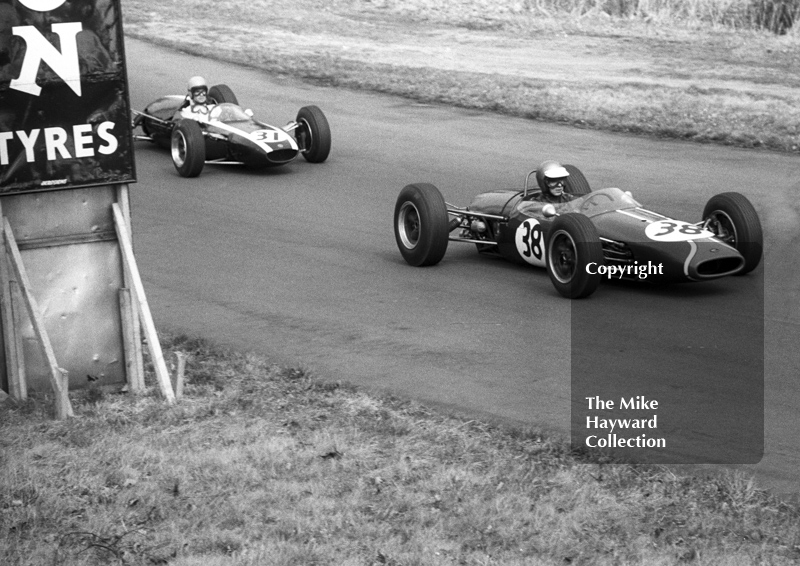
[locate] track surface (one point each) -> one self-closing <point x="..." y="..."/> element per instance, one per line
<point x="300" y="263"/>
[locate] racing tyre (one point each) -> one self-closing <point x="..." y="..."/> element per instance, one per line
<point x="572" y="245"/>
<point x="421" y="225"/>
<point x="313" y="134"/>
<point x="220" y="94"/>
<point x="734" y="220"/>
<point x="188" y="148"/>
<point x="576" y="182"/>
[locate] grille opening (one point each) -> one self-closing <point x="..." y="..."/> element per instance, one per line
<point x="282" y="155"/>
<point x="720" y="266"/>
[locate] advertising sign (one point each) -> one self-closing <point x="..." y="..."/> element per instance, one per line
<point x="64" y="108"/>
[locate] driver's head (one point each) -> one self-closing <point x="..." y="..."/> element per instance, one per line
<point x="198" y="90"/>
<point x="552" y="178"/>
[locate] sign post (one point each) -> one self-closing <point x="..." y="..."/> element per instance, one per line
<point x="66" y="159"/>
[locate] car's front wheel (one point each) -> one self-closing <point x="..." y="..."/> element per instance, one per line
<point x="421" y="224"/>
<point x="734" y="220"/>
<point x="313" y="134"/>
<point x="188" y="148"/>
<point x="574" y="253"/>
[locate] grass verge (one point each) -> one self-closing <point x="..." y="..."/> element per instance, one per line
<point x="266" y="465"/>
<point x="677" y="79"/>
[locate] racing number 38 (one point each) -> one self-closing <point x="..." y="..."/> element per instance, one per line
<point x="530" y="242"/>
<point x="675" y="231"/>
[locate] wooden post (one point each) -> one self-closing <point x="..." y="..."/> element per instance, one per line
<point x="133" y="346"/>
<point x="16" y="312"/>
<point x="10" y="330"/>
<point x="16" y="382"/>
<point x="63" y="406"/>
<point x="57" y="379"/>
<point x="162" y="375"/>
<point x="180" y="371"/>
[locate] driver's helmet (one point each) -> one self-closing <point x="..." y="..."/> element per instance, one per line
<point x="197" y="86"/>
<point x="552" y="178"/>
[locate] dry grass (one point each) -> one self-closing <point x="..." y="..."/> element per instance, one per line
<point x="738" y="14"/>
<point x="666" y="68"/>
<point x="266" y="465"/>
<point x="775" y="15"/>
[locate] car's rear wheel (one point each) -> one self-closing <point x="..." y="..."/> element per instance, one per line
<point x="313" y="134"/>
<point x="576" y="182"/>
<point x="734" y="220"/>
<point x="421" y="224"/>
<point x="222" y="93"/>
<point x="572" y="246"/>
<point x="188" y="148"/>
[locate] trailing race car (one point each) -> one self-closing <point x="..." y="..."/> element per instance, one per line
<point x="223" y="133"/>
<point x="585" y="237"/>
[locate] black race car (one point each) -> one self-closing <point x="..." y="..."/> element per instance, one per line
<point x="224" y="133"/>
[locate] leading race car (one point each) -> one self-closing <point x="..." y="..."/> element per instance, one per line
<point x="224" y="133"/>
<point x="585" y="236"/>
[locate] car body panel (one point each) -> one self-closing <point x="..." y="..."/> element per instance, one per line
<point x="231" y="133"/>
<point x="630" y="234"/>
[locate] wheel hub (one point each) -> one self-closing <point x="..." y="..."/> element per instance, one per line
<point x="408" y="225"/>
<point x="563" y="257"/>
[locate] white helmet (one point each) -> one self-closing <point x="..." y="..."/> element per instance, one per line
<point x="197" y="82"/>
<point x="552" y="177"/>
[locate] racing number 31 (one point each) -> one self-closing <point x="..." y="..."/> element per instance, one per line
<point x="529" y="242"/>
<point x="269" y="136"/>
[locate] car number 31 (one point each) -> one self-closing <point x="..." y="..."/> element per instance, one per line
<point x="530" y="243"/>
<point x="267" y="136"/>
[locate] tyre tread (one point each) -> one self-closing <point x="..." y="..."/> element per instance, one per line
<point x="586" y="239"/>
<point x="434" y="236"/>
<point x="748" y="225"/>
<point x="320" y="133"/>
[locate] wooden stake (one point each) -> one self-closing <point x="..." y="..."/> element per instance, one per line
<point x="57" y="379"/>
<point x="162" y="375"/>
<point x="179" y="373"/>
<point x="10" y="330"/>
<point x="133" y="358"/>
<point x="16" y="315"/>
<point x="128" y="341"/>
<point x="63" y="377"/>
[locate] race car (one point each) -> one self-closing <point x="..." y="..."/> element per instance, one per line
<point x="224" y="133"/>
<point x="596" y="234"/>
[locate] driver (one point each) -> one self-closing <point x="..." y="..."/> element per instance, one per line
<point x="197" y="101"/>
<point x="552" y="179"/>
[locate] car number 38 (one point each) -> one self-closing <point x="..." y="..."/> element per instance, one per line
<point x="530" y="242"/>
<point x="676" y="231"/>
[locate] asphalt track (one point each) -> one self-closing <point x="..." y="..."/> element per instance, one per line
<point x="300" y="263"/>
